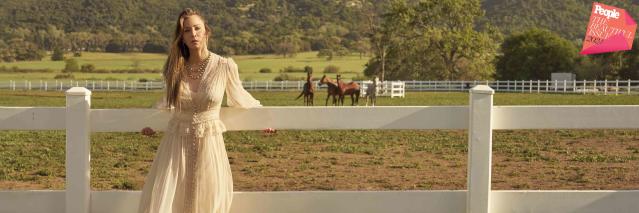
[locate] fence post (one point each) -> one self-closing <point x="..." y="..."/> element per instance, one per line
<point x="605" y="86"/>
<point x="617" y="87"/>
<point x="565" y="86"/>
<point x="530" y="86"/>
<point x="479" y="149"/>
<point x="584" y="87"/>
<point x="546" y="85"/>
<point x="628" y="87"/>
<point x="78" y="155"/>
<point x="594" y="87"/>
<point x="538" y="85"/>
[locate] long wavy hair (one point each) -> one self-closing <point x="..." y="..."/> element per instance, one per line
<point x="178" y="54"/>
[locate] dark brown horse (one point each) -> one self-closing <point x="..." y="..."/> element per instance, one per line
<point x="332" y="89"/>
<point x="308" y="91"/>
<point x="344" y="89"/>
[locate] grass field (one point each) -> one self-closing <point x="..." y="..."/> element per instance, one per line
<point x="342" y="160"/>
<point x="249" y="65"/>
<point x="103" y="99"/>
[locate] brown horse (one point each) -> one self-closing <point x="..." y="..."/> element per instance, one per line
<point x="344" y="89"/>
<point x="332" y="89"/>
<point x="308" y="91"/>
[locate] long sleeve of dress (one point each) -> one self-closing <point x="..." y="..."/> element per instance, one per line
<point x="236" y="95"/>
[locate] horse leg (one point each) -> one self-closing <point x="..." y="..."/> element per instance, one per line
<point x="329" y="95"/>
<point x="366" y="99"/>
<point x="305" y="100"/>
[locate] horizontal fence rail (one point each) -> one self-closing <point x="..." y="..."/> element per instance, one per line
<point x="480" y="118"/>
<point x="520" y="86"/>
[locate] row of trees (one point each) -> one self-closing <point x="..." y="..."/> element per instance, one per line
<point x="450" y="40"/>
<point x="239" y="27"/>
<point x="446" y="40"/>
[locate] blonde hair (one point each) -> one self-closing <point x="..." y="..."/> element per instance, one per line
<point x="178" y="54"/>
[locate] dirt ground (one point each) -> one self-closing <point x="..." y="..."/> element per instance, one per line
<point x="353" y="160"/>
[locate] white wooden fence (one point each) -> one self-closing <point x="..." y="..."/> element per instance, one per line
<point x="526" y="86"/>
<point x="480" y="118"/>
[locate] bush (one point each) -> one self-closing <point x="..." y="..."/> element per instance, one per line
<point x="265" y="70"/>
<point x="64" y="76"/>
<point x="77" y="54"/>
<point x="286" y="77"/>
<point x="87" y="68"/>
<point x="143" y="80"/>
<point x="331" y="69"/>
<point x="15" y="69"/>
<point x="71" y="65"/>
<point x="281" y="77"/>
<point x="58" y="55"/>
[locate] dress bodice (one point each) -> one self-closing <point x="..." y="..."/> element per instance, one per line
<point x="199" y="111"/>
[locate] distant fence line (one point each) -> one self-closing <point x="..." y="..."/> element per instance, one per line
<point x="525" y="86"/>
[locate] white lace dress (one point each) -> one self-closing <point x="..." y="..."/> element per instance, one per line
<point x="191" y="172"/>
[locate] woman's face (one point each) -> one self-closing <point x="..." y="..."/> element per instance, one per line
<point x="194" y="33"/>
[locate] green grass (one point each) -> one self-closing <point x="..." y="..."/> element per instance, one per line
<point x="106" y="61"/>
<point x="249" y="66"/>
<point x="103" y="99"/>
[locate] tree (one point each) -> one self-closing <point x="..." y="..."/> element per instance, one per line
<point x="288" y="45"/>
<point x="25" y="50"/>
<point x="71" y="65"/>
<point x="534" y="55"/>
<point x="433" y="40"/>
<point x="58" y="54"/>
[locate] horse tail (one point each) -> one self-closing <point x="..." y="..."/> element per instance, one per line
<point x="298" y="97"/>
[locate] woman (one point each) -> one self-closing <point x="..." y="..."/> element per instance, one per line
<point x="191" y="171"/>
